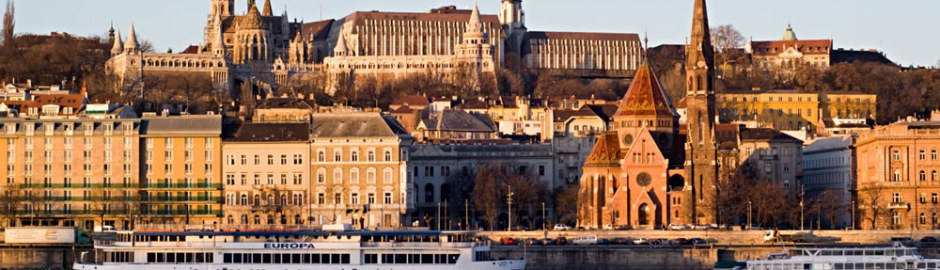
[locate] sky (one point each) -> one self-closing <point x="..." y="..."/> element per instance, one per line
<point x="904" y="30"/>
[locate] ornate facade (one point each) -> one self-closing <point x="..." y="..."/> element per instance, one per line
<point x="636" y="175"/>
<point x="266" y="50"/>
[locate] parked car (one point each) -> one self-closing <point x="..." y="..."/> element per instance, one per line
<point x="678" y="227"/>
<point x="679" y="241"/>
<point x="697" y="241"/>
<point x="928" y="239"/>
<point x="609" y="227"/>
<point x="509" y="241"/>
<point x="585" y="240"/>
<point x="534" y="242"/>
<point x="561" y="240"/>
<point x="703" y="226"/>
<point x="658" y="241"/>
<point x="640" y="241"/>
<point x="620" y="241"/>
<point x="603" y="241"/>
<point x="562" y="227"/>
<point x="548" y="241"/>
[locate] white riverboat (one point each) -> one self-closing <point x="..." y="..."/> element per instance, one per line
<point x="294" y="250"/>
<point x="896" y="256"/>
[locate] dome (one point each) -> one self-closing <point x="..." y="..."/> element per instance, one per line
<point x="252" y="20"/>
<point x="789" y="34"/>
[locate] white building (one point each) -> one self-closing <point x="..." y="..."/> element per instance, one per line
<point x="828" y="174"/>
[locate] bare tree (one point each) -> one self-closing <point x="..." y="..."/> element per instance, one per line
<point x="10" y="203"/>
<point x="566" y="204"/>
<point x="872" y="204"/>
<point x="9" y="24"/>
<point x="727" y="40"/>
<point x="487" y="196"/>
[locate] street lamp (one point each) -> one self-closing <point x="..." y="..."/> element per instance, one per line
<point x="543" y="216"/>
<point x="748" y="214"/>
<point x="853" y="213"/>
<point x="509" y="202"/>
<point x="438" y="216"/>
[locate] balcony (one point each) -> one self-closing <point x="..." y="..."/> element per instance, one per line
<point x="178" y="212"/>
<point x="899" y="205"/>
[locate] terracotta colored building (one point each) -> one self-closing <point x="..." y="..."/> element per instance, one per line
<point x="897" y="176"/>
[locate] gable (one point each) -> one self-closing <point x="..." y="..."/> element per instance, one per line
<point x="644" y="151"/>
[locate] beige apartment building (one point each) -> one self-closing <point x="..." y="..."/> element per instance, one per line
<point x="897" y="176"/>
<point x="266" y="174"/>
<point x="70" y="172"/>
<point x="181" y="160"/>
<point x="359" y="170"/>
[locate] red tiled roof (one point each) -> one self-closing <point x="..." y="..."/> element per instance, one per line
<point x="773" y="48"/>
<point x="192" y="49"/>
<point x="411" y="101"/>
<point x="606" y="151"/>
<point x="645" y="96"/>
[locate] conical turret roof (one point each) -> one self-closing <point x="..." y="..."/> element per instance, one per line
<point x="118" y="47"/>
<point x="475" y="24"/>
<point x="267" y="11"/>
<point x="252" y="20"/>
<point x="645" y="96"/>
<point x="131" y="40"/>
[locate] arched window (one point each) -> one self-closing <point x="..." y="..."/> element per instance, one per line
<point x="371" y="155"/>
<point x="257" y="220"/>
<point x="321" y="176"/>
<point x="338" y="176"/>
<point x="429" y="193"/>
<point x="923" y="176"/>
<point x="257" y="200"/>
<point x="337" y="156"/>
<point x="355" y="155"/>
<point x="897" y="176"/>
<point x="933" y="175"/>
<point x="231" y="220"/>
<point x="244" y="200"/>
<point x="388" y="155"/>
<point x="321" y="156"/>
<point x="923" y="154"/>
<point x="354" y="175"/>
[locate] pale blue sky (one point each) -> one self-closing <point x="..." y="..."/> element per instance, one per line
<point x="905" y="30"/>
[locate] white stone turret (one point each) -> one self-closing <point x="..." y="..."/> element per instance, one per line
<point x="218" y="44"/>
<point x="131" y="45"/>
<point x="340" y="49"/>
<point x="118" y="44"/>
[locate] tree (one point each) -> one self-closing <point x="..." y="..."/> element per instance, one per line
<point x="727" y="40"/>
<point x="566" y="204"/>
<point x="872" y="204"/>
<point x="10" y="203"/>
<point x="9" y="24"/>
<point x="486" y="196"/>
<point x="456" y="191"/>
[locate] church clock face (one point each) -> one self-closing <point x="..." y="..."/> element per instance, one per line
<point x="628" y="139"/>
<point x="643" y="179"/>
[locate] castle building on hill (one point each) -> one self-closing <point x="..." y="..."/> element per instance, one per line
<point x="267" y="50"/>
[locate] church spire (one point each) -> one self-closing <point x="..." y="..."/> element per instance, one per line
<point x="699" y="52"/>
<point x="118" y="44"/>
<point x="218" y="44"/>
<point x="131" y="44"/>
<point x="341" y="48"/>
<point x="267" y="9"/>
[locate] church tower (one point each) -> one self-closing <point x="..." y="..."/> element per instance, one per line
<point x="223" y="8"/>
<point x="701" y="155"/>
<point x="511" y="15"/>
<point x="475" y="50"/>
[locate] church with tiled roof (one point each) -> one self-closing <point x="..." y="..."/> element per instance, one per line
<point x="642" y="173"/>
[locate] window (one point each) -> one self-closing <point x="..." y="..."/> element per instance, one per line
<point x="370" y="198"/>
<point x="933" y="175"/>
<point x="244" y="160"/>
<point x="387" y="176"/>
<point x="354" y="175"/>
<point x="388" y="155"/>
<point x="923" y="176"/>
<point x="355" y="155"/>
<point x="933" y="154"/>
<point x="933" y="197"/>
<point x="321" y="176"/>
<point x="283" y="159"/>
<point x="257" y="159"/>
<point x="337" y="156"/>
<point x="370" y="176"/>
<point x="388" y="198"/>
<point x="896" y="198"/>
<point x="270" y="159"/>
<point x="298" y="159"/>
<point x="354" y="198"/>
<point x="923" y="154"/>
<point x="897" y="176"/>
<point x="337" y="176"/>
<point x="283" y="179"/>
<point x="298" y="179"/>
<point x="429" y="193"/>
<point x="897" y="155"/>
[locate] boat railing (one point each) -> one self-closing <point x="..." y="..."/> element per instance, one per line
<point x="418" y="245"/>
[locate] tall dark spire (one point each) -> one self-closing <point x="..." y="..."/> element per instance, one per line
<point x="700" y="46"/>
<point x="700" y="55"/>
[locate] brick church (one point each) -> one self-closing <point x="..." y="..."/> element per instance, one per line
<point x="648" y="172"/>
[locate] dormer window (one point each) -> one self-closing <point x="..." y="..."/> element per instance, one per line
<point x="11" y="128"/>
